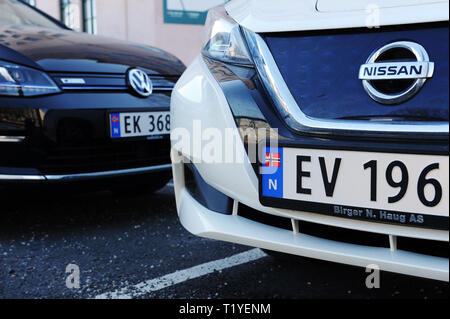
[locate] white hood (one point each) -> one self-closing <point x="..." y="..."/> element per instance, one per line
<point x="299" y="15"/>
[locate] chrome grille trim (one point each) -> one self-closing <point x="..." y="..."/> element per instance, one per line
<point x="298" y="121"/>
<point x="11" y="139"/>
<point x="113" y="82"/>
<point x="86" y="176"/>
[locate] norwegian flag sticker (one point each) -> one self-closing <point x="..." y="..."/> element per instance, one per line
<point x="115" y="119"/>
<point x="115" y="125"/>
<point x="273" y="159"/>
<point x="272" y="173"/>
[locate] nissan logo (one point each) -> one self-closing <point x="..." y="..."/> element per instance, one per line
<point x="139" y="81"/>
<point x="396" y="72"/>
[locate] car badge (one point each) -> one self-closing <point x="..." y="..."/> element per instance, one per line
<point x="140" y="82"/>
<point x="396" y="72"/>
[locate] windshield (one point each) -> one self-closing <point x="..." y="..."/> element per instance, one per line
<point x="14" y="12"/>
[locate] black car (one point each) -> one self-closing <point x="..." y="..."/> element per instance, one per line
<point x="76" y="107"/>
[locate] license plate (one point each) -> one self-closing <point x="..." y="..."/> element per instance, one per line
<point x="139" y="124"/>
<point x="404" y="189"/>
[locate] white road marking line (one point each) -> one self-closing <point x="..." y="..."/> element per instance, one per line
<point x="183" y="275"/>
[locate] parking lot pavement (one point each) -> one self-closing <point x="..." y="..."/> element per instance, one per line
<point x="134" y="246"/>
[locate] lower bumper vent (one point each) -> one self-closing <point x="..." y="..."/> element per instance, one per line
<point x="419" y="246"/>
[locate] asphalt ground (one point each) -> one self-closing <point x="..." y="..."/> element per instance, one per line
<point x="134" y="244"/>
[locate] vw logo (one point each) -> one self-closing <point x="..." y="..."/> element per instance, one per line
<point x="396" y="72"/>
<point x="140" y="82"/>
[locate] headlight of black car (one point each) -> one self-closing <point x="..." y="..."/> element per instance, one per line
<point x="17" y="80"/>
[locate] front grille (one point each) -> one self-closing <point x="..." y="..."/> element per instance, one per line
<point x="74" y="131"/>
<point x="108" y="82"/>
<point x="426" y="247"/>
<point x="266" y="219"/>
<point x="356" y="237"/>
<point x="345" y="235"/>
<point x="321" y="71"/>
<point x="105" y="157"/>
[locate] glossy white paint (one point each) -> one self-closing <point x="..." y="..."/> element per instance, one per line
<point x="361" y="5"/>
<point x="205" y="102"/>
<point x="197" y="96"/>
<point x="203" y="222"/>
<point x="299" y="15"/>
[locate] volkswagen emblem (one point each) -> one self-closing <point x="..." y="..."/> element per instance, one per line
<point x="396" y="72"/>
<point x="139" y="81"/>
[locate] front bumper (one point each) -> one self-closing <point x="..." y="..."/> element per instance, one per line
<point x="66" y="138"/>
<point x="198" y="100"/>
<point x="85" y="176"/>
<point x="203" y="222"/>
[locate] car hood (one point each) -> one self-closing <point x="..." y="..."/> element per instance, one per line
<point x="294" y="15"/>
<point x="70" y="51"/>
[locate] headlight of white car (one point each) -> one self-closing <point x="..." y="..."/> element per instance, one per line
<point x="17" y="80"/>
<point x="223" y="39"/>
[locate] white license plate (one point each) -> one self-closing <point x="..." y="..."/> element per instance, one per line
<point x="139" y="124"/>
<point x="406" y="189"/>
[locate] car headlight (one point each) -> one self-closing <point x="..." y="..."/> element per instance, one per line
<point x="17" y="80"/>
<point x="223" y="39"/>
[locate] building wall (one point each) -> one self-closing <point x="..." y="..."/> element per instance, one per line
<point x="183" y="38"/>
<point x="50" y="7"/>
<point x="140" y="21"/>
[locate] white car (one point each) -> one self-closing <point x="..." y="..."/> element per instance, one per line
<point x="320" y="128"/>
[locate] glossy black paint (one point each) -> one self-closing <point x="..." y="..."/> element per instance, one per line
<point x="69" y="132"/>
<point x="11" y="55"/>
<point x="70" y="51"/>
<point x="89" y="100"/>
<point x="246" y="97"/>
<point x="321" y="70"/>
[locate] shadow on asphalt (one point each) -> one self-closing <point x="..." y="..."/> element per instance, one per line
<point x="60" y="224"/>
<point x="69" y="209"/>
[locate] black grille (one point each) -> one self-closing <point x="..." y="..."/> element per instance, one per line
<point x="74" y="131"/>
<point x="108" y="82"/>
<point x="105" y="157"/>
<point x="344" y="235"/>
<point x="426" y="247"/>
<point x="266" y="219"/>
<point x="321" y="70"/>
<point x="419" y="246"/>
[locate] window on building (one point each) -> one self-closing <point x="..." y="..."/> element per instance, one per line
<point x="67" y="14"/>
<point x="89" y="16"/>
<point x="79" y="15"/>
<point x="188" y="11"/>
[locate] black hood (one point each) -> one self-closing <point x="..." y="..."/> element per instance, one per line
<point x="70" y="51"/>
